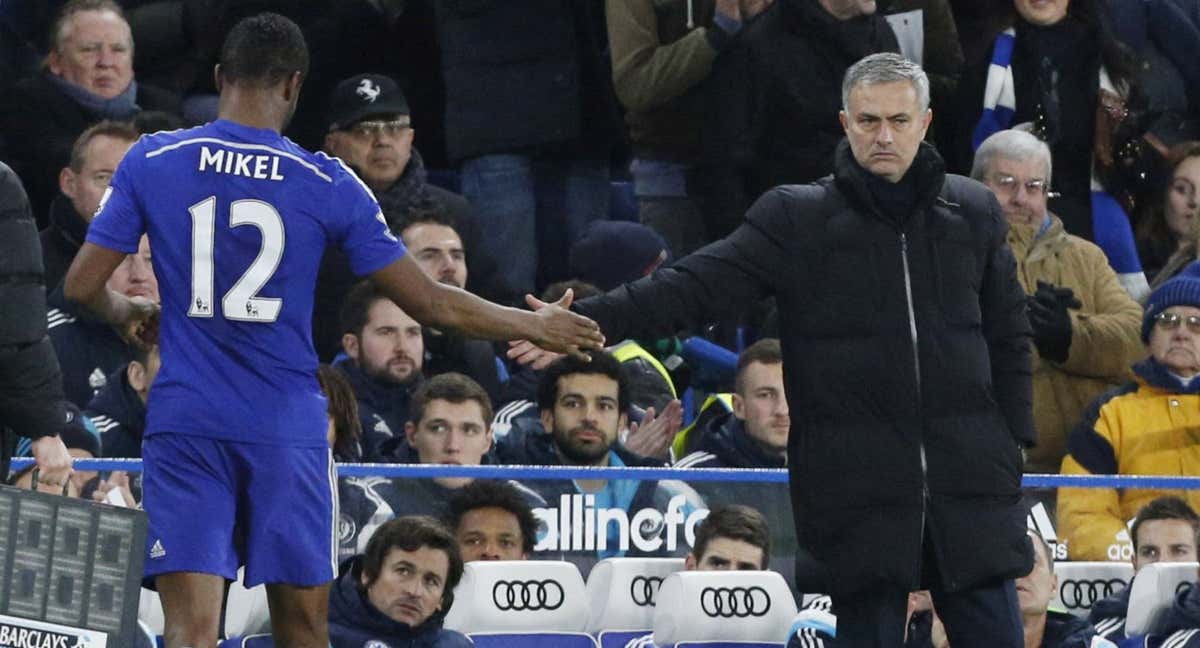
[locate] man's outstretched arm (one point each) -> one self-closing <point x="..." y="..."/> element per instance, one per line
<point x="85" y="285"/>
<point x="434" y="304"/>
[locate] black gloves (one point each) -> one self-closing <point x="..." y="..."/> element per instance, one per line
<point x="1051" y="321"/>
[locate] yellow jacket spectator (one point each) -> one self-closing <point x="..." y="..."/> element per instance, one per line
<point x="1148" y="427"/>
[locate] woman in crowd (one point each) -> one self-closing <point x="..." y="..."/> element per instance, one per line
<point x="1166" y="231"/>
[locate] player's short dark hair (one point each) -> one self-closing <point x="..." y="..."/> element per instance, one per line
<point x="453" y="387"/>
<point x="356" y="307"/>
<point x="108" y="128"/>
<point x="141" y="353"/>
<point x="426" y="212"/>
<point x="343" y="409"/>
<point x="483" y="493"/>
<point x="1168" y="507"/>
<point x="583" y="290"/>
<point x="54" y="40"/>
<point x="765" y="351"/>
<point x="263" y="50"/>
<point x="410" y="533"/>
<point x="602" y="363"/>
<point x="734" y="522"/>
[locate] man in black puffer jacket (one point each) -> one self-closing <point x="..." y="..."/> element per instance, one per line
<point x="907" y="350"/>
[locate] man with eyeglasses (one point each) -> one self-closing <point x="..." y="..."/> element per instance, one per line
<point x="370" y="128"/>
<point x="1147" y="427"/>
<point x="1085" y="326"/>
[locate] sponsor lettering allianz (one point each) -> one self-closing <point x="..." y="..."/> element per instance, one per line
<point x="577" y="525"/>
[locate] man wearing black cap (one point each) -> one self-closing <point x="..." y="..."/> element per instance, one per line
<point x="370" y="129"/>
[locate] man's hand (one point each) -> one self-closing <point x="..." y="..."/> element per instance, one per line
<point x="654" y="436"/>
<point x="562" y="331"/>
<point x="524" y="352"/>
<point x="118" y="481"/>
<point x="1051" y="321"/>
<point x="53" y="462"/>
<point x="140" y="321"/>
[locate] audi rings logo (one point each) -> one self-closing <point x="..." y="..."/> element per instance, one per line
<point x="729" y="602"/>
<point x="643" y="590"/>
<point x="528" y="595"/>
<point x="1082" y="593"/>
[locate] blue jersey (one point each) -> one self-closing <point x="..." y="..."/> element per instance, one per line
<point x="238" y="220"/>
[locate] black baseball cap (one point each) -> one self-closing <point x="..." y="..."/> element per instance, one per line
<point x="363" y="96"/>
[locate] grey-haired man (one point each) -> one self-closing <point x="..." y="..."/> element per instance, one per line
<point x="907" y="365"/>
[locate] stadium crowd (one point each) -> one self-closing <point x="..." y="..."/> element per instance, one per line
<point x="537" y="146"/>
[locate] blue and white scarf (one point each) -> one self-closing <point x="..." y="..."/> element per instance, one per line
<point x="1110" y="224"/>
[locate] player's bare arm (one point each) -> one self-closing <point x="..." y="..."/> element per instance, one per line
<point x="85" y="286"/>
<point x="553" y="328"/>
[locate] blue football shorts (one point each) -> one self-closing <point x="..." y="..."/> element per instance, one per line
<point x="215" y="505"/>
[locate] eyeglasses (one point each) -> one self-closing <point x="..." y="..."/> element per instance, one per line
<point x="1008" y="184"/>
<point x="1170" y="322"/>
<point x="372" y="129"/>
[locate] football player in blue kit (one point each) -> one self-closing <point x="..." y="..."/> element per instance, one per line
<point x="237" y="469"/>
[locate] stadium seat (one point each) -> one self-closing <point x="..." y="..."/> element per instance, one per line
<point x="621" y="593"/>
<point x="521" y="604"/>
<point x="1153" y="592"/>
<point x="711" y="609"/>
<point x="1081" y="584"/>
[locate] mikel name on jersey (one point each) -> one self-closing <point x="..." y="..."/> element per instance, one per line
<point x="250" y="165"/>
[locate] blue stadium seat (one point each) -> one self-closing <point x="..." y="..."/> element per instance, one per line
<point x="617" y="638"/>
<point x="729" y="644"/>
<point x="532" y="640"/>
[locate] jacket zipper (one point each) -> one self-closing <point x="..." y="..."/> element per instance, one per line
<point x="912" y="330"/>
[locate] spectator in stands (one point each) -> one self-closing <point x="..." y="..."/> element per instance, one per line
<point x="369" y="126"/>
<point x="87" y="76"/>
<point x="1144" y="428"/>
<point x="583" y="406"/>
<point x="90" y="350"/>
<point x="1167" y="239"/>
<point x="532" y="118"/>
<point x="492" y="521"/>
<point x="448" y="426"/>
<point x="81" y="184"/>
<point x="119" y="409"/>
<point x="397" y="592"/>
<point x="927" y="26"/>
<point x="345" y="427"/>
<point x="780" y="90"/>
<point x="1085" y="326"/>
<point x="432" y="240"/>
<point x="1046" y="628"/>
<point x="1165" y="530"/>
<point x="1093" y="119"/>
<point x="611" y="253"/>
<point x="755" y="433"/>
<point x="384" y="352"/>
<point x="661" y="57"/>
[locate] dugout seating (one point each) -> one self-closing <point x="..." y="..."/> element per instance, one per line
<point x="723" y="609"/>
<point x="1153" y="593"/>
<point x="246" y="610"/>
<point x="521" y="604"/>
<point x="621" y="595"/>
<point x="1081" y="584"/>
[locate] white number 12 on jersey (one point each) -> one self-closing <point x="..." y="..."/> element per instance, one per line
<point x="242" y="302"/>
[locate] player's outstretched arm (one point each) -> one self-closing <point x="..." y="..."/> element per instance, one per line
<point x="553" y="328"/>
<point x="85" y="285"/>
